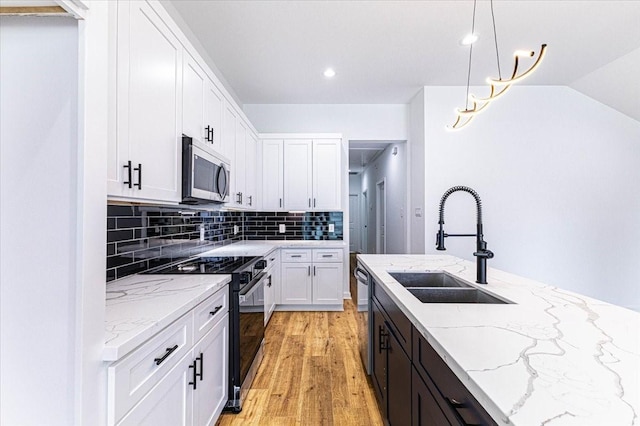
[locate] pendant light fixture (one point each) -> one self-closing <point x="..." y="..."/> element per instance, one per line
<point x="498" y="86"/>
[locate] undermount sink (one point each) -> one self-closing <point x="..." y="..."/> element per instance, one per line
<point x="453" y="295"/>
<point x="428" y="279"/>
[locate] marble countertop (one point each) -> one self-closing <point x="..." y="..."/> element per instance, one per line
<point x="553" y="357"/>
<point x="264" y="247"/>
<point x="139" y="306"/>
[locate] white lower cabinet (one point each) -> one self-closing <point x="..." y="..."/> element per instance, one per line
<point x="169" y="380"/>
<point x="308" y="278"/>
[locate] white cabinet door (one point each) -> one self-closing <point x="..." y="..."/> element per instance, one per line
<point x="193" y="83"/>
<point x="239" y="166"/>
<point x="272" y="174"/>
<point x="229" y="135"/>
<point x="149" y="103"/>
<point x="251" y="148"/>
<point x="326" y="174"/>
<point x="213" y="106"/>
<point x="296" y="284"/>
<point x="169" y="403"/>
<point x="210" y="395"/>
<point x="327" y="283"/>
<point x="298" y="163"/>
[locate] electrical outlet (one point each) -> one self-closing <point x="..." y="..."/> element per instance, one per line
<point x="202" y="232"/>
<point x="282" y="228"/>
<point x="235" y="229"/>
<point x="332" y="227"/>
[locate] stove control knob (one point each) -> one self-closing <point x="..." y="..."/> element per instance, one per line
<point x="245" y="277"/>
<point x="261" y="264"/>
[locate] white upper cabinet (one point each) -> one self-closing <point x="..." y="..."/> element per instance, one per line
<point x="145" y="163"/>
<point x="193" y="88"/>
<point x="202" y="105"/>
<point x="213" y="110"/>
<point x="301" y="174"/>
<point x="240" y="165"/>
<point x="298" y="161"/>
<point x="326" y="174"/>
<point x="272" y="174"/>
<point x="251" y="148"/>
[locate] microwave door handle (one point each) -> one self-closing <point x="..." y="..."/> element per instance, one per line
<point x="225" y="190"/>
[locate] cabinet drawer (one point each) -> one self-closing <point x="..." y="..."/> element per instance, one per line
<point x="296" y="256"/>
<point x="209" y="312"/>
<point x="401" y="324"/>
<point x="273" y="260"/>
<point x="458" y="403"/>
<point x="135" y="375"/>
<point x="327" y="255"/>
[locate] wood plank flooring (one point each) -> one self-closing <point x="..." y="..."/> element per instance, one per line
<point x="311" y="374"/>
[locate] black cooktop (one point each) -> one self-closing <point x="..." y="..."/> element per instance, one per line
<point x="209" y="265"/>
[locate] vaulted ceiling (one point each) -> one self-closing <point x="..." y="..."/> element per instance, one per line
<point x="384" y="51"/>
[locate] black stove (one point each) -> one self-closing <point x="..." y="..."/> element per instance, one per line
<point x="211" y="265"/>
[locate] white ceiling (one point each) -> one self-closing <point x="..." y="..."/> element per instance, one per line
<point x="362" y="153"/>
<point x="384" y="51"/>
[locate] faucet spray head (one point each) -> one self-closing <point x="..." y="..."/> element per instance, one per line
<point x="440" y="235"/>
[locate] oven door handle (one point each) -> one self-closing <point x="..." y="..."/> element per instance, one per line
<point x="252" y="286"/>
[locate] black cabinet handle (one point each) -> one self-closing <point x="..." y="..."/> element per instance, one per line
<point x="160" y="360"/>
<point x="269" y="284"/>
<point x="314" y="271"/>
<point x="280" y="202"/>
<point x="139" y="170"/>
<point x="382" y="339"/>
<point x="309" y="270"/>
<point x="215" y="311"/>
<point x="201" y="359"/>
<point x="128" y="167"/>
<point x="314" y="202"/>
<point x="210" y="134"/>
<point x="309" y="202"/>
<point x="454" y="404"/>
<point x="250" y="200"/>
<point x="296" y="255"/>
<point x="195" y="375"/>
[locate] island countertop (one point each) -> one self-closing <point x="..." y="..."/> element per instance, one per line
<point x="552" y="357"/>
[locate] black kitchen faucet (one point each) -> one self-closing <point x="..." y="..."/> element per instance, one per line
<point x="481" y="253"/>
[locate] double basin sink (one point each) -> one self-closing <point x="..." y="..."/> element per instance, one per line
<point x="440" y="287"/>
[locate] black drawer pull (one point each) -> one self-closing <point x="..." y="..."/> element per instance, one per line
<point x="139" y="170"/>
<point x="327" y="255"/>
<point x="215" y="311"/>
<point x="128" y="167"/>
<point x="296" y="255"/>
<point x="455" y="405"/>
<point x="195" y="375"/>
<point x="382" y="339"/>
<point x="160" y="360"/>
<point x="201" y="359"/>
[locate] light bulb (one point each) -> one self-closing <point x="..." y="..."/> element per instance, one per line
<point x="329" y="73"/>
<point x="469" y="39"/>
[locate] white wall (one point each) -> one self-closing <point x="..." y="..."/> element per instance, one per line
<point x="558" y="176"/>
<point x="392" y="169"/>
<point x="52" y="217"/>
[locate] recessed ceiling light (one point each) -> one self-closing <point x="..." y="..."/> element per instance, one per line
<point x="329" y="72"/>
<point x="469" y="39"/>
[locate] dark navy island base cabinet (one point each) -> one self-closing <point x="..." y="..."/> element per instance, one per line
<point x="413" y="385"/>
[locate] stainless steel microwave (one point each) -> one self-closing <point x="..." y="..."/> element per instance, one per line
<point x="205" y="176"/>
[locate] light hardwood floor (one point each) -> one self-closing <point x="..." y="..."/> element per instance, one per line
<point x="311" y="374"/>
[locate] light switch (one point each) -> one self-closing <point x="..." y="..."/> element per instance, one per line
<point x="332" y="227"/>
<point x="419" y="212"/>
<point x="202" y="232"/>
<point x="235" y="229"/>
<point x="282" y="228"/>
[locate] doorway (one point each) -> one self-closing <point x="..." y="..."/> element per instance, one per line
<point x="354" y="223"/>
<point x="381" y="217"/>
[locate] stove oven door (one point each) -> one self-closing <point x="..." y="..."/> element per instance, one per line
<point x="251" y="309"/>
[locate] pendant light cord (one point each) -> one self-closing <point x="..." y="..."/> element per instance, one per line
<point x="473" y="29"/>
<point x="495" y="39"/>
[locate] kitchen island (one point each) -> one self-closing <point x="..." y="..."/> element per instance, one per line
<point x="550" y="357"/>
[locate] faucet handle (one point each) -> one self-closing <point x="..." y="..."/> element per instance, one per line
<point x="487" y="254"/>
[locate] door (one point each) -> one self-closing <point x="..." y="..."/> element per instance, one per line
<point x="272" y="174"/>
<point x="398" y="382"/>
<point x="354" y="223"/>
<point x="210" y="395"/>
<point x="193" y="80"/>
<point x="250" y="170"/>
<point x="381" y="218"/>
<point x="169" y="403"/>
<point x="425" y="410"/>
<point x="239" y="167"/>
<point x="379" y="357"/>
<point x="149" y="101"/>
<point x="298" y="164"/>
<point x="229" y="134"/>
<point x="364" y="208"/>
<point x="213" y="105"/>
<point x="326" y="174"/>
<point x="296" y="284"/>
<point x="327" y="283"/>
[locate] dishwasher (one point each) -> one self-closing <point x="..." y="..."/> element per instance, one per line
<point x="365" y="332"/>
